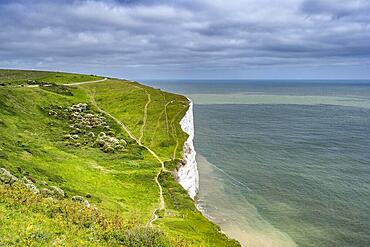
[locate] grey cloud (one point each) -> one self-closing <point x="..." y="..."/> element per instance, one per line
<point x="183" y="35"/>
<point x="337" y="8"/>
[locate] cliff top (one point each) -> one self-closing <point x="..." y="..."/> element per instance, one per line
<point x="107" y="142"/>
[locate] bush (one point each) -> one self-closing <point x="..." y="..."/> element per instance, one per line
<point x="143" y="237"/>
<point x="102" y="229"/>
<point x="167" y="143"/>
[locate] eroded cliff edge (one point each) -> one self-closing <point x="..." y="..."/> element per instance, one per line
<point x="187" y="174"/>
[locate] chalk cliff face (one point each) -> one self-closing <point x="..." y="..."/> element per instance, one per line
<point x="187" y="174"/>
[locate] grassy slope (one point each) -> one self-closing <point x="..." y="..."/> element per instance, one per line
<point x="31" y="145"/>
<point x="120" y="183"/>
<point x="126" y="101"/>
<point x="17" y="77"/>
<point x="27" y="219"/>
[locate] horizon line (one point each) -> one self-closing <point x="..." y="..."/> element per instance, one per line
<point x="251" y="79"/>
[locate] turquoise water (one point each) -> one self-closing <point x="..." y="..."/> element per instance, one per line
<point x="284" y="163"/>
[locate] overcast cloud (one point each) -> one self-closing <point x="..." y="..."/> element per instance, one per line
<point x="189" y="39"/>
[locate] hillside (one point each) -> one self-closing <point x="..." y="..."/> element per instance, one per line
<point x="110" y="145"/>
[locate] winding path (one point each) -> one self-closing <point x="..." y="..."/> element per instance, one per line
<point x="126" y="129"/>
<point x="165" y="112"/>
<point x="174" y="132"/>
<point x="84" y="82"/>
<point x="70" y="84"/>
<point x="145" y="116"/>
<point x="138" y="141"/>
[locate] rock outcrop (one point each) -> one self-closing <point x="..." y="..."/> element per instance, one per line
<point x="187" y="173"/>
<point x="30" y="185"/>
<point x="57" y="192"/>
<point x="29" y="182"/>
<point x="81" y="200"/>
<point x="6" y="177"/>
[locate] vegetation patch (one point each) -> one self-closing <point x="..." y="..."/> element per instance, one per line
<point x="126" y="101"/>
<point x="87" y="128"/>
<point x="174" y="164"/>
<point x="65" y="223"/>
<point x="59" y="89"/>
<point x="102" y="165"/>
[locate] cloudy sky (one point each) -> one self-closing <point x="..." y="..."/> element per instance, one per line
<point x="147" y="39"/>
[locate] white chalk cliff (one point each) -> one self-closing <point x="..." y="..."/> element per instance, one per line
<point x="187" y="174"/>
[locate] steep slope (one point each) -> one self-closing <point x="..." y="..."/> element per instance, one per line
<point x="46" y="135"/>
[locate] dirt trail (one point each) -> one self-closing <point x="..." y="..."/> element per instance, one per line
<point x="174" y="132"/>
<point x="165" y="112"/>
<point x="84" y="82"/>
<point x="127" y="130"/>
<point x="66" y="84"/>
<point x="145" y="117"/>
<point x="138" y="141"/>
<point x="156" y="128"/>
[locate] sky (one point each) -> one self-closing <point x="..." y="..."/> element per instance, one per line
<point x="204" y="39"/>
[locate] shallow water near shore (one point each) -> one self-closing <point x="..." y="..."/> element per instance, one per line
<point x="238" y="218"/>
<point x="284" y="164"/>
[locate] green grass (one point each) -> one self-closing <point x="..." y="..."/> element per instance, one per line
<point x="34" y="146"/>
<point x="120" y="183"/>
<point x="126" y="101"/>
<point x="27" y="219"/>
<point x="182" y="217"/>
<point x="23" y="77"/>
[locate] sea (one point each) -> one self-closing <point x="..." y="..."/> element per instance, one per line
<point x="283" y="162"/>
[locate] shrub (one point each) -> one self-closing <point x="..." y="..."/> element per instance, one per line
<point x="102" y="229"/>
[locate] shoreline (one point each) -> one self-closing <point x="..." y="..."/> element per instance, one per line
<point x="210" y="200"/>
<point x="248" y="227"/>
<point x="188" y="174"/>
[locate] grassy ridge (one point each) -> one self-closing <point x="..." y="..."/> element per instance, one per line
<point x="120" y="183"/>
<point x="33" y="143"/>
<point x="126" y="101"/>
<point x="22" y="77"/>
